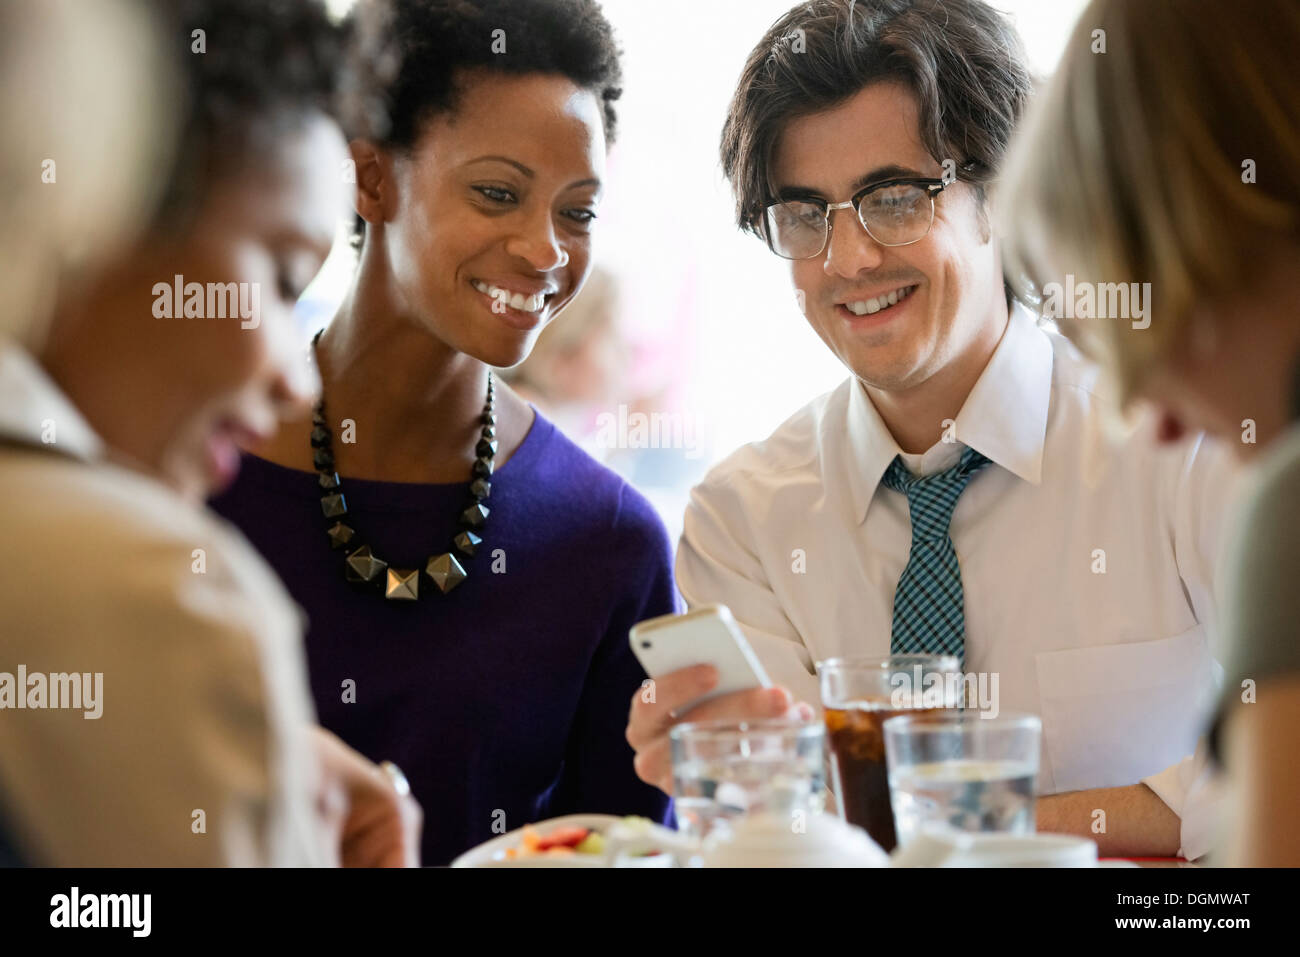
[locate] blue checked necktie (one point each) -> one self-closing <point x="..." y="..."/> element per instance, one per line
<point x="928" y="614"/>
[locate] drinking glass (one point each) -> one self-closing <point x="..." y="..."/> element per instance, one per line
<point x="724" y="769"/>
<point x="858" y="696"/>
<point x="964" y="771"/>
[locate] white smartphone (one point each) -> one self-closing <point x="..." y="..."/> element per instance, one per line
<point x="705" y="636"/>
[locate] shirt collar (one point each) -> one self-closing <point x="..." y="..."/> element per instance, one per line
<point x="1004" y="417"/>
<point x="30" y="403"/>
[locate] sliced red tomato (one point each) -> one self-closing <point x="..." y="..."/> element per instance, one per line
<point x="563" y="837"/>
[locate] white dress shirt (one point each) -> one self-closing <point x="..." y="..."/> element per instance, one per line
<point x="203" y="704"/>
<point x="797" y="535"/>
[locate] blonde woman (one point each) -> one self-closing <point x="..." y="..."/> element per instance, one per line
<point x="1165" y="152"/>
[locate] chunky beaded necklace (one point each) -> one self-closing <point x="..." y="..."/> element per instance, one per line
<point x="361" y="566"/>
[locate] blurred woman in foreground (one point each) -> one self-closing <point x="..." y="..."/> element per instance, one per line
<point x="1171" y="158"/>
<point x="160" y="707"/>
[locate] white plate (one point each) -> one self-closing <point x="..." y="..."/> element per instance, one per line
<point x="492" y="853"/>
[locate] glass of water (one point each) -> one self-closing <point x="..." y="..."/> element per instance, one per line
<point x="725" y="769"/>
<point x="962" y="770"/>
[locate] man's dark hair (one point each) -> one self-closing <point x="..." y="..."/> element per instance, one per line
<point x="961" y="59"/>
<point x="438" y="41"/>
<point x="251" y="69"/>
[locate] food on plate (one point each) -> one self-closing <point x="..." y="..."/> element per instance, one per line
<point x="563" y="841"/>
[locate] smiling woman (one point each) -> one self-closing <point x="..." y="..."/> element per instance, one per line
<point x="260" y="105"/>
<point x="201" y="749"/>
<point x="500" y="195"/>
<point x="473" y="577"/>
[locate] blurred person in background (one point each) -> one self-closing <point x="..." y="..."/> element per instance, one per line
<point x="1172" y="160"/>
<point x="162" y="714"/>
<point x="862" y="144"/>
<point x="470" y="575"/>
<point x="578" y="367"/>
<point x="601" y="389"/>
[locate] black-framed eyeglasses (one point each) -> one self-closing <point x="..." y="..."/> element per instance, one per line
<point x="894" y="212"/>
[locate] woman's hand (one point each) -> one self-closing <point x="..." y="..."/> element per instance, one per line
<point x="369" y="811"/>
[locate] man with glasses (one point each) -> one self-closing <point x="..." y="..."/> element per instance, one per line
<point x="960" y="493"/>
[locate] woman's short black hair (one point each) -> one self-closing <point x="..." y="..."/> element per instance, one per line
<point x="437" y="41"/>
<point x="251" y="69"/>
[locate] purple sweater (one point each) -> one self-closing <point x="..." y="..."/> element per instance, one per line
<point x="504" y="701"/>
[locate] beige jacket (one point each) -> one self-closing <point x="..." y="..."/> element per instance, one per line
<point x="199" y="752"/>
